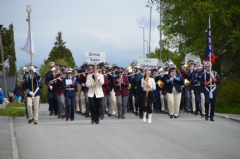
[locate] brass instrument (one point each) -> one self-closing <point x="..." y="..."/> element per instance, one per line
<point x="79" y="90"/>
<point x="130" y="67"/>
<point x="160" y="83"/>
<point x="129" y="86"/>
<point x="187" y="83"/>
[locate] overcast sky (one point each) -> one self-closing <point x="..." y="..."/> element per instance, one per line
<point x="110" y="26"/>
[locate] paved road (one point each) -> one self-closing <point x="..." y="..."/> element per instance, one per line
<point x="187" y="137"/>
<point x="5" y="139"/>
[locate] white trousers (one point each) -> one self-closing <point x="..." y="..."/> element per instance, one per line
<point x="193" y="101"/>
<point x="174" y="100"/>
<point x="35" y="103"/>
<point x="203" y="103"/>
<point x="114" y="103"/>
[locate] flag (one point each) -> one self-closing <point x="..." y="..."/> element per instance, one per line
<point x="209" y="55"/>
<point x="27" y="45"/>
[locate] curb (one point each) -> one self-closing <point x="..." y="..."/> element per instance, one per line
<point x="228" y="117"/>
<point x="13" y="140"/>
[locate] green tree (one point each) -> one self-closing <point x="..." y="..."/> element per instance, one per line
<point x="60" y="51"/>
<point x="9" y="50"/>
<point x="184" y="24"/>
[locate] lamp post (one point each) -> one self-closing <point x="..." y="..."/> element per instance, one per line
<point x="3" y="65"/>
<point x="150" y="6"/>
<point x="147" y="47"/>
<point x="160" y="31"/>
<point x="143" y="40"/>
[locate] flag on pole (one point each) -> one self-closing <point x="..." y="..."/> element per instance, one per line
<point x="209" y="55"/>
<point x="27" y="45"/>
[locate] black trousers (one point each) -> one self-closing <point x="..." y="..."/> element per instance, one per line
<point x="94" y="107"/>
<point x="140" y="102"/>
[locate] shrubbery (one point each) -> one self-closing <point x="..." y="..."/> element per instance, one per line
<point x="228" y="98"/>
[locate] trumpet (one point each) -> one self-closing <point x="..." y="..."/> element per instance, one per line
<point x="160" y="83"/>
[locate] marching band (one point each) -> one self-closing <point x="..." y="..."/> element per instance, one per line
<point x="94" y="90"/>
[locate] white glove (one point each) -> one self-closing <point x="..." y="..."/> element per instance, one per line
<point x="31" y="93"/>
<point x="33" y="69"/>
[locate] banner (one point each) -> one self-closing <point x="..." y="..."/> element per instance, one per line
<point x="147" y="63"/>
<point x="98" y="57"/>
<point x="27" y="45"/>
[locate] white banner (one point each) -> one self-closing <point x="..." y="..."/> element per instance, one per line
<point x="96" y="59"/>
<point x="95" y="54"/>
<point x="27" y="45"/>
<point x="147" y="63"/>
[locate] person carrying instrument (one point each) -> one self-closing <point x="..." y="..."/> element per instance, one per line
<point x="174" y="82"/>
<point x="149" y="86"/>
<point x="51" y="93"/>
<point x="70" y="85"/>
<point x="95" y="93"/>
<point x="57" y="85"/>
<point x="198" y="89"/>
<point x="121" y="91"/>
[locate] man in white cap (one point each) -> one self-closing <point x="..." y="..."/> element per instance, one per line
<point x="51" y="93"/>
<point x="209" y="80"/>
<point x="70" y="85"/>
<point x="33" y="86"/>
<point x="198" y="89"/>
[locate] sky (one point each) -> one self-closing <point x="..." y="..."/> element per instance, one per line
<point x="110" y="26"/>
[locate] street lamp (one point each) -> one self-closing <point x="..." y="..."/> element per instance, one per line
<point x="160" y="30"/>
<point x="147" y="47"/>
<point x="150" y="6"/>
<point x="143" y="40"/>
<point x="2" y="51"/>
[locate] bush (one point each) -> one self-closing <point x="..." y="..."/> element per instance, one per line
<point x="228" y="98"/>
<point x="13" y="110"/>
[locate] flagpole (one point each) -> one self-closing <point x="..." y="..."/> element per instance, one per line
<point x="29" y="9"/>
<point x="210" y="54"/>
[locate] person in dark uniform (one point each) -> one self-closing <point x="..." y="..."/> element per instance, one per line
<point x="198" y="88"/>
<point x="51" y="93"/>
<point x="33" y="93"/>
<point x="70" y="85"/>
<point x="210" y="79"/>
<point x="174" y="82"/>
<point x="157" y="103"/>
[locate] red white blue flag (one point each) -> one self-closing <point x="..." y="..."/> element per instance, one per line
<point x="209" y="55"/>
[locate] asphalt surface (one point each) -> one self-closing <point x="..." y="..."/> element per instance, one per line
<point x="187" y="137"/>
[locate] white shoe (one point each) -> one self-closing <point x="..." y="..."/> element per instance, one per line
<point x="149" y="118"/>
<point x="144" y="116"/>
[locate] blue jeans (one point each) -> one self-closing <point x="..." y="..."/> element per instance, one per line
<point x="69" y="100"/>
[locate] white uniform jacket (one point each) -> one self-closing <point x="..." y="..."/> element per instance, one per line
<point x="95" y="90"/>
<point x="151" y="82"/>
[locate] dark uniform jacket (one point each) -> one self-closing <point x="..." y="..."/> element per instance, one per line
<point x="177" y="83"/>
<point x="37" y="82"/>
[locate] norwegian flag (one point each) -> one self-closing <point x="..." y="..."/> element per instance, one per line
<point x="209" y="55"/>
